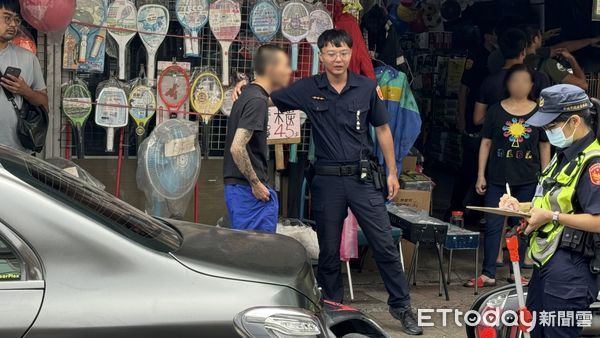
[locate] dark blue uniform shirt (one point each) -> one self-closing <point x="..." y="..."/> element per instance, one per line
<point x="340" y="121"/>
<point x="588" y="188"/>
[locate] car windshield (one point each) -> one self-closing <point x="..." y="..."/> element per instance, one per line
<point x="92" y="202"/>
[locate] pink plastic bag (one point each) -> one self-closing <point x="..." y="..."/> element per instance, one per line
<point x="349" y="244"/>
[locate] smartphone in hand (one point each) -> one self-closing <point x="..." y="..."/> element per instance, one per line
<point x="13" y="71"/>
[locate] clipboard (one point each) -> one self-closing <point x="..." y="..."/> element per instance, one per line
<point x="501" y="212"/>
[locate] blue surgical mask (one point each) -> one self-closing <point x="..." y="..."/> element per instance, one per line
<point x="557" y="138"/>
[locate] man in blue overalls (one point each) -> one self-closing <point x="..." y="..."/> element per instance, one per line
<point x="341" y="105"/>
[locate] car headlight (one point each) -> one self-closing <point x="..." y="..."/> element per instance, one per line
<point x="277" y="322"/>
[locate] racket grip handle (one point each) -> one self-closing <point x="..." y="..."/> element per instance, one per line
<point x="121" y="63"/>
<point x="293" y="153"/>
<point x="110" y="139"/>
<point x="315" y="60"/>
<point x="189" y="49"/>
<point x="83" y="49"/>
<point x="294" y="57"/>
<point x="151" y="68"/>
<point x="225" y="75"/>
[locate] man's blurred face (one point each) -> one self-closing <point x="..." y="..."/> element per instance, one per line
<point x="9" y="24"/>
<point x="335" y="59"/>
<point x="279" y="72"/>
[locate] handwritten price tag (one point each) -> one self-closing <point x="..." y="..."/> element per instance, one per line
<point x="284" y="127"/>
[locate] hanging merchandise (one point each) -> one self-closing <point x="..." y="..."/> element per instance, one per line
<point x="49" y="16"/>
<point x="84" y="43"/>
<point x="111" y="109"/>
<point x="225" y="21"/>
<point x="173" y="88"/>
<point x="352" y="7"/>
<point x="122" y="23"/>
<point x="192" y="15"/>
<point x="168" y="168"/>
<point x="77" y="107"/>
<point x="264" y="20"/>
<point x="142" y="103"/>
<point x="360" y="62"/>
<point x="405" y="119"/>
<point x="320" y="21"/>
<point x="25" y="40"/>
<point x="152" y="24"/>
<point x="207" y="99"/>
<point x="227" y="102"/>
<point x="295" y="24"/>
<point x="432" y="17"/>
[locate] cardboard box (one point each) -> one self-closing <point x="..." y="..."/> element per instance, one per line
<point x="409" y="163"/>
<point x="417" y="199"/>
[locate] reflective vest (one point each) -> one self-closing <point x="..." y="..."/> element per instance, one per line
<point x="559" y="192"/>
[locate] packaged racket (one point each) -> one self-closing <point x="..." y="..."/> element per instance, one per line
<point x="206" y="98"/>
<point x="122" y="25"/>
<point x="225" y="20"/>
<point x="264" y="20"/>
<point x="152" y="24"/>
<point x="320" y="21"/>
<point x="192" y="15"/>
<point x="77" y="107"/>
<point x="173" y="87"/>
<point x="142" y="106"/>
<point x="89" y="16"/>
<point x="111" y="109"/>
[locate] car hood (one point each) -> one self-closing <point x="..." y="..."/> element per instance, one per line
<point x="246" y="255"/>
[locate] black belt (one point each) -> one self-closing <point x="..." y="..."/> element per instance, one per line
<point x="337" y="170"/>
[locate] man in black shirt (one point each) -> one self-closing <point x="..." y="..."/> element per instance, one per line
<point x="251" y="204"/>
<point x="513" y="44"/>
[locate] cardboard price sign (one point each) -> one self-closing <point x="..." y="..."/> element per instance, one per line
<point x="284" y="127"/>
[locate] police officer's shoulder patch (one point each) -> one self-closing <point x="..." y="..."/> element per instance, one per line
<point x="379" y="93"/>
<point x="594" y="172"/>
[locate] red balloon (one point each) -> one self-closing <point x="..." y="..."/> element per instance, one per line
<point x="48" y="15"/>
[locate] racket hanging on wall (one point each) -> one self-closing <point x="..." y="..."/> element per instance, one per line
<point x="77" y="107"/>
<point x="152" y="25"/>
<point x="193" y="16"/>
<point x="264" y="21"/>
<point x="173" y="88"/>
<point x="122" y="24"/>
<point x="206" y="99"/>
<point x="225" y="21"/>
<point x="295" y="24"/>
<point x="142" y="103"/>
<point x="111" y="109"/>
<point x="320" y="21"/>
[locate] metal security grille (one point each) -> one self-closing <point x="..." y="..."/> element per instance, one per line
<point x="241" y="54"/>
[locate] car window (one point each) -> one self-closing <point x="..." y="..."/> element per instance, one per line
<point x="90" y="201"/>
<point x="10" y="266"/>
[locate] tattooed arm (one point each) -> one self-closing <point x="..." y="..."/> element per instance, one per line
<point x="242" y="161"/>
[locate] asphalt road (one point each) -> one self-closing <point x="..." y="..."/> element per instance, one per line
<point x="371" y="297"/>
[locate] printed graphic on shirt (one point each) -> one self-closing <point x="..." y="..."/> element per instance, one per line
<point x="595" y="173"/>
<point x="517" y="131"/>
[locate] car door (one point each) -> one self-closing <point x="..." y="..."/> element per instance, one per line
<point x="21" y="285"/>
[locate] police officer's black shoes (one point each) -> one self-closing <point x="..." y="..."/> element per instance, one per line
<point x="407" y="319"/>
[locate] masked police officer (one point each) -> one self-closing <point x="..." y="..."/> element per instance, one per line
<point x="341" y="105"/>
<point x="566" y="210"/>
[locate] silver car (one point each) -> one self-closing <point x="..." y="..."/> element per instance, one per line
<point x="77" y="262"/>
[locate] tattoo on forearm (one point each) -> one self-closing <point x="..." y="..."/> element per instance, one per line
<point x="240" y="155"/>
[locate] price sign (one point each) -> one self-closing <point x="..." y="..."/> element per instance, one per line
<point x="284" y="127"/>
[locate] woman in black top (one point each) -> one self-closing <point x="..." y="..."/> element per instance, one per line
<point x="511" y="152"/>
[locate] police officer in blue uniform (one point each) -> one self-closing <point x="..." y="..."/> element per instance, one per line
<point x="565" y="217"/>
<point x="341" y="106"/>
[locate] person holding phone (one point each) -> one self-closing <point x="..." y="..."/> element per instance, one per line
<point x="21" y="75"/>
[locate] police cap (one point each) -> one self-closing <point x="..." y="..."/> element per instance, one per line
<point x="555" y="100"/>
